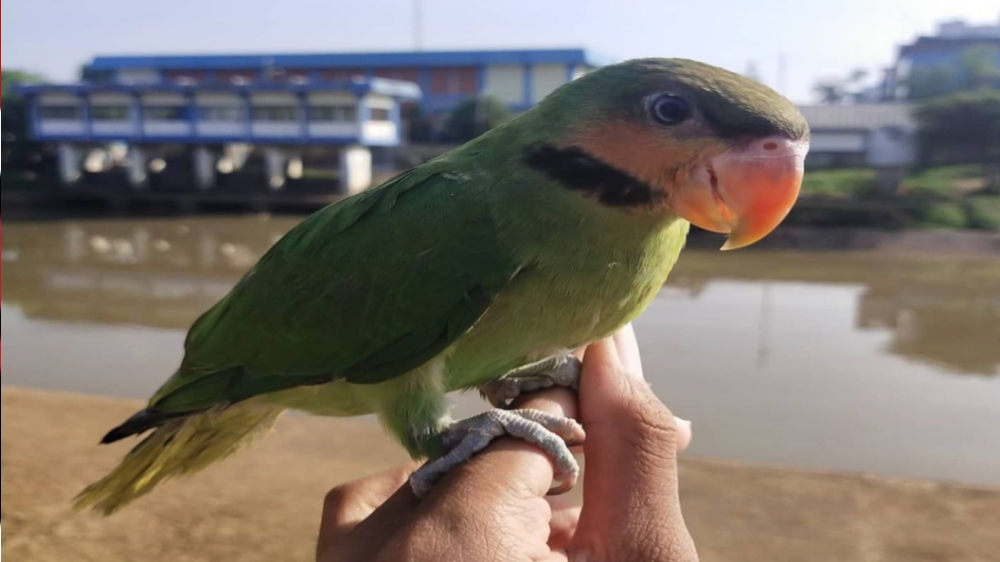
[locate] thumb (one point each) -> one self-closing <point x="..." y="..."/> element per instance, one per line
<point x="631" y="497"/>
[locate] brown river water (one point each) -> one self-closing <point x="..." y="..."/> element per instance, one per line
<point x="847" y="361"/>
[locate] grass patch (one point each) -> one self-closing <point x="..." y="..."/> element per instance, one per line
<point x="947" y="197"/>
<point x="944" y="215"/>
<point x="984" y="213"/>
<point x="839" y="184"/>
<point x="943" y="181"/>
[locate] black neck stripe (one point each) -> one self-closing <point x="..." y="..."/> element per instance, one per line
<point x="576" y="169"/>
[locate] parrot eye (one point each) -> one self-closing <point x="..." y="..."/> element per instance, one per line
<point x="669" y="109"/>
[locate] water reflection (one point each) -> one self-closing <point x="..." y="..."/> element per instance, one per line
<point x="165" y="273"/>
<point x="955" y="330"/>
<point x="157" y="274"/>
<point x="836" y="361"/>
<point x="939" y="311"/>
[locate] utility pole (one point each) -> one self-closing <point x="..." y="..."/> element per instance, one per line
<point x="782" y="74"/>
<point x="418" y="32"/>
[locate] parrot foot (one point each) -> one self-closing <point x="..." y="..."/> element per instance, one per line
<point x="561" y="371"/>
<point x="553" y="434"/>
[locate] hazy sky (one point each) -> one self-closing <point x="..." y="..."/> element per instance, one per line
<point x="818" y="38"/>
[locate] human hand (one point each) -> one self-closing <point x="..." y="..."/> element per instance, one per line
<point x="495" y="507"/>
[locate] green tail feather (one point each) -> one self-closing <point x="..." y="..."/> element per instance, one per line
<point x="177" y="448"/>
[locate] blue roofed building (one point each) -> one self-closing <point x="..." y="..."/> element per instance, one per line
<point x="518" y="78"/>
<point x="202" y="111"/>
<point x="932" y="64"/>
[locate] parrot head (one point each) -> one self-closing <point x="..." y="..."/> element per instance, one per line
<point x="716" y="148"/>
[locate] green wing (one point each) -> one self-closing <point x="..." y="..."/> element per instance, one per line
<point x="366" y="289"/>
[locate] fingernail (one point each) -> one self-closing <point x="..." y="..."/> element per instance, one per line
<point x="686" y="424"/>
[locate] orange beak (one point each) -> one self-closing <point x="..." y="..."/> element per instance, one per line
<point x="745" y="192"/>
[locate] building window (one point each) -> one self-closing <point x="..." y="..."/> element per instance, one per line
<point x="339" y="74"/>
<point x="454" y="81"/>
<point x="220" y="114"/>
<point x="235" y="77"/>
<point x="407" y="74"/>
<point x="333" y="113"/>
<point x="184" y="76"/>
<point x="60" y="112"/>
<point x="98" y="76"/>
<point x="165" y="113"/>
<point x="380" y="114"/>
<point x="109" y="113"/>
<point x="275" y="114"/>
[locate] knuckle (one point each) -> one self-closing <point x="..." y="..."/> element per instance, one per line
<point x="334" y="498"/>
<point x="652" y="426"/>
<point x="338" y="499"/>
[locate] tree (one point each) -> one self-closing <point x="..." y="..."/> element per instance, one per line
<point x="18" y="151"/>
<point x="834" y="91"/>
<point x="419" y="128"/>
<point x="474" y="117"/>
<point x="977" y="68"/>
<point x="931" y="82"/>
<point x="980" y="67"/>
<point x="14" y="78"/>
<point x="964" y="126"/>
<point x="830" y="92"/>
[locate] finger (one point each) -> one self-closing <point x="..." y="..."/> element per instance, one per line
<point x="562" y="527"/>
<point x="603" y="350"/>
<point x="627" y="347"/>
<point x="630" y="489"/>
<point x="365" y="507"/>
<point x="500" y="492"/>
<point x="512" y="467"/>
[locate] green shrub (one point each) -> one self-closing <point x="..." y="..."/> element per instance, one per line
<point x="984" y="213"/>
<point x="944" y="215"/>
<point x="839" y="184"/>
<point x="940" y="181"/>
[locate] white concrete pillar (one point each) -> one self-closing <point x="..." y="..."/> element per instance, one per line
<point x="234" y="157"/>
<point x="296" y="167"/>
<point x="69" y="163"/>
<point x="239" y="153"/>
<point x="204" y="168"/>
<point x="275" y="167"/>
<point x="137" y="167"/>
<point x="355" y="168"/>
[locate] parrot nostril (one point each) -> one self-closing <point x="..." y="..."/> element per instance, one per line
<point x="771" y="146"/>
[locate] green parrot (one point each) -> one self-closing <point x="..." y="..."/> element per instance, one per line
<point x="481" y="269"/>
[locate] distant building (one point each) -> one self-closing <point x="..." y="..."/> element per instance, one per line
<point x="861" y="135"/>
<point x="210" y="122"/>
<point x="209" y="112"/>
<point x="518" y="78"/>
<point x="939" y="57"/>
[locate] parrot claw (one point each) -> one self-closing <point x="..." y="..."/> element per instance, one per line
<point x="563" y="371"/>
<point x="462" y="440"/>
